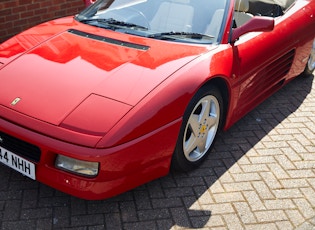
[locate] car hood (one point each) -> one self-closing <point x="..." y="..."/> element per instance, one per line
<point x="51" y="79"/>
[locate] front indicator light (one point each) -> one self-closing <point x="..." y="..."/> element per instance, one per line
<point x="83" y="168"/>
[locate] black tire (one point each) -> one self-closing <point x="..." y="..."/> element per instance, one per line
<point x="199" y="129"/>
<point x="310" y="66"/>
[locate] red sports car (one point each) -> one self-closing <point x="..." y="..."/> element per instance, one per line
<point x="97" y="104"/>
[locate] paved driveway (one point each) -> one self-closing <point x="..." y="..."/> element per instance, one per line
<point x="261" y="175"/>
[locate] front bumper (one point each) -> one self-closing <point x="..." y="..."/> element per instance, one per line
<point x="121" y="168"/>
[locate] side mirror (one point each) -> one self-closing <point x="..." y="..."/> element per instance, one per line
<point x="255" y="24"/>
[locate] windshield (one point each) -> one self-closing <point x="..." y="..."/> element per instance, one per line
<point x="197" y="21"/>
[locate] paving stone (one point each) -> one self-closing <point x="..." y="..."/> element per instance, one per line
<point x="229" y="197"/>
<point x="294" y="183"/>
<point x="270" y="216"/>
<point x="279" y="204"/>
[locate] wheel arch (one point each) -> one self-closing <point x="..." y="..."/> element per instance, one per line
<point x="218" y="87"/>
<point x="224" y="88"/>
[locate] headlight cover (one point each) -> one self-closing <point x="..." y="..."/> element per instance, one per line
<point x="96" y="115"/>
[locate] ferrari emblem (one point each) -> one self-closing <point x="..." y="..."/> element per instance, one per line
<point x="203" y="129"/>
<point x="15" y="101"/>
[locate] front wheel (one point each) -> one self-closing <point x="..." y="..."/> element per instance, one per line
<point x="310" y="67"/>
<point x="201" y="122"/>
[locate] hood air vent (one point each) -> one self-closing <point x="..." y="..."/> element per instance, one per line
<point x="108" y="40"/>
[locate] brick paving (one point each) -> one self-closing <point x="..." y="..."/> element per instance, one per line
<point x="261" y="175"/>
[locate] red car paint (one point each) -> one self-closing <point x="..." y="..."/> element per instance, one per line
<point x="69" y="85"/>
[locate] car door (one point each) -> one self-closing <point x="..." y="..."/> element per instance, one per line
<point x="264" y="60"/>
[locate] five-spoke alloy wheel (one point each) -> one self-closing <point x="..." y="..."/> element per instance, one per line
<point x="201" y="122"/>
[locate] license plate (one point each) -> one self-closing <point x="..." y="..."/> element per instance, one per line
<point x="17" y="163"/>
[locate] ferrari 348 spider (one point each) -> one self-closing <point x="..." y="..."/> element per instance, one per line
<point x="114" y="97"/>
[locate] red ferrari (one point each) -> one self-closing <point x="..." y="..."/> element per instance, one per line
<point x="97" y="104"/>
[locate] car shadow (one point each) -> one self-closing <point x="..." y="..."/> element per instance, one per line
<point x="161" y="204"/>
<point x="173" y="200"/>
<point x="179" y="192"/>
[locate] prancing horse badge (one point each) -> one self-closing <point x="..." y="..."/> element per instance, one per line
<point x="15" y="101"/>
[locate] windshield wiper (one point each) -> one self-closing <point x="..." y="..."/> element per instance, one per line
<point x="113" y="23"/>
<point x="172" y="34"/>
